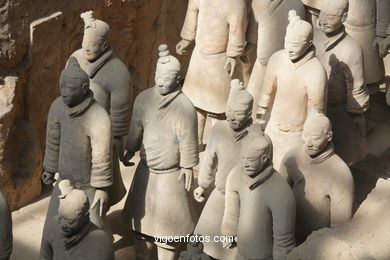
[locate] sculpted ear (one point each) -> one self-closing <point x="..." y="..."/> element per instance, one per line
<point x="330" y="135"/>
<point x="85" y="87"/>
<point x="105" y="45"/>
<point x="345" y="16"/>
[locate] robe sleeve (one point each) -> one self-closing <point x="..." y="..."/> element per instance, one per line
<point x="46" y="252"/>
<point x="188" y="31"/>
<point x="188" y="137"/>
<point x="134" y="137"/>
<point x="341" y="199"/>
<point x="251" y="31"/>
<point x="5" y="229"/>
<point x="238" y="20"/>
<point x="53" y="136"/>
<point x="209" y="163"/>
<point x="268" y="89"/>
<point x="383" y="18"/>
<point x="121" y="99"/>
<point x="231" y="214"/>
<point x="99" y="132"/>
<point x="281" y="203"/>
<point x="316" y="90"/>
<point x="357" y="94"/>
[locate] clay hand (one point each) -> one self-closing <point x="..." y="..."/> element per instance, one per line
<point x="118" y="145"/>
<point x="101" y="198"/>
<point x="384" y="47"/>
<point x="229" y="244"/>
<point x="182" y="46"/>
<point x="126" y="159"/>
<point x="198" y="192"/>
<point x="187" y="173"/>
<point x="48" y="178"/>
<point x="359" y="124"/>
<point x="230" y="65"/>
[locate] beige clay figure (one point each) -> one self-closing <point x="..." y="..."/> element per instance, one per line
<point x="268" y="31"/>
<point x="259" y="205"/>
<point x="218" y="29"/>
<point x="70" y="235"/>
<point x="164" y="128"/>
<point x="220" y="157"/>
<point x="295" y="81"/>
<point x="322" y="183"/>
<point x="348" y="97"/>
<point x="110" y="83"/>
<point x="78" y="143"/>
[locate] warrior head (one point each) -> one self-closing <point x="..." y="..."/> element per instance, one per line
<point x="299" y="36"/>
<point x="332" y="16"/>
<point x="239" y="105"/>
<point x="95" y="37"/>
<point x="74" y="83"/>
<point x="168" y="73"/>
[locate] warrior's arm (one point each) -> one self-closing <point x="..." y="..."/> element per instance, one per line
<point x="238" y="20"/>
<point x="121" y="99"/>
<point x="209" y="163"/>
<point x="316" y="90"/>
<point x="188" y="31"/>
<point x="232" y="208"/>
<point x="341" y="200"/>
<point x="383" y="18"/>
<point x="100" y="136"/>
<point x="282" y="206"/>
<point x="357" y="94"/>
<point x="268" y="88"/>
<point x="134" y="137"/>
<point x="188" y="138"/>
<point x="53" y="137"/>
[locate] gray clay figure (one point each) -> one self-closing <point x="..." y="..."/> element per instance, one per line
<point x="259" y="205"/>
<point x="322" y="183"/>
<point x="111" y="84"/>
<point x="71" y="235"/>
<point x="78" y="143"/>
<point x="164" y="128"/>
<point x="219" y="158"/>
<point x="348" y="98"/>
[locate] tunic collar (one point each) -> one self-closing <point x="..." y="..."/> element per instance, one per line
<point x="165" y="100"/>
<point x="70" y="242"/>
<point x="260" y="178"/>
<point x="92" y="68"/>
<point x="324" y="155"/>
<point x="82" y="107"/>
<point x="331" y="42"/>
<point x="310" y="53"/>
<point x="238" y="135"/>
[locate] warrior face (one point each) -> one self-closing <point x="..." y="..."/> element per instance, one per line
<point x="332" y="16"/>
<point x="93" y="46"/>
<point x="165" y="82"/>
<point x="253" y="162"/>
<point x="70" y="225"/>
<point x="316" y="135"/>
<point x="73" y="92"/>
<point x="236" y="117"/>
<point x="296" y="45"/>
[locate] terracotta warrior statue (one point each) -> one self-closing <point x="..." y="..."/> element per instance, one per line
<point x="295" y="81"/>
<point x="259" y="204"/>
<point x="112" y="88"/>
<point x="78" y="143"/>
<point x="218" y="29"/>
<point x="348" y="97"/>
<point x="5" y="229"/>
<point x="164" y="128"/>
<point x="70" y="235"/>
<point x="218" y="160"/>
<point x="322" y="183"/>
<point x="268" y="32"/>
<point x="361" y="25"/>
